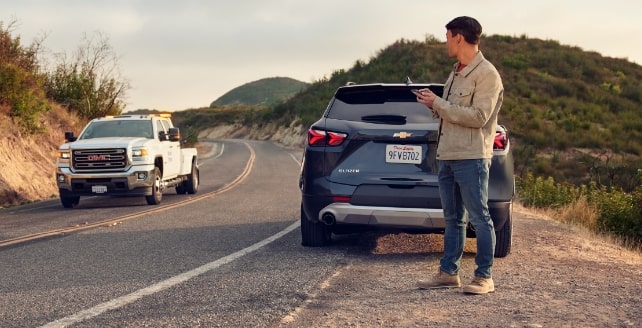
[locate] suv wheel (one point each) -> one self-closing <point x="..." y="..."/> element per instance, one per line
<point x="313" y="234"/>
<point x="504" y="237"/>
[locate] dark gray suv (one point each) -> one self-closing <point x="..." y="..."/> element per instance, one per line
<point x="370" y="163"/>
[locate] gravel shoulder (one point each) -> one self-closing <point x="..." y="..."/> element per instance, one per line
<point x="555" y="276"/>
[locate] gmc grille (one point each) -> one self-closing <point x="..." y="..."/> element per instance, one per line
<point x="114" y="159"/>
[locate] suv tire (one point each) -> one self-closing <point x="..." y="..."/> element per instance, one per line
<point x="504" y="237"/>
<point x="313" y="234"/>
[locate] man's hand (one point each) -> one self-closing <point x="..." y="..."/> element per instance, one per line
<point x="426" y="97"/>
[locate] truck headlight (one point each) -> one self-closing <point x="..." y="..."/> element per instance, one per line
<point x="63" y="154"/>
<point x="140" y="152"/>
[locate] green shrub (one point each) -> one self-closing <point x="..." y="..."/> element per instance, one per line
<point x="20" y="85"/>
<point x="619" y="213"/>
<point x="545" y="192"/>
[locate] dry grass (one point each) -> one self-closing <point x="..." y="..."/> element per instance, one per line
<point x="584" y="217"/>
<point x="579" y="213"/>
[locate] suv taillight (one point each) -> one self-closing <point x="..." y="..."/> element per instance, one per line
<point x="318" y="138"/>
<point x="501" y="141"/>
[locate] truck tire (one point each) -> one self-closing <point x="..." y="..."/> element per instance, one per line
<point x="504" y="237"/>
<point x="69" y="202"/>
<point x="180" y="188"/>
<point x="157" y="192"/>
<point x="314" y="234"/>
<point x="191" y="185"/>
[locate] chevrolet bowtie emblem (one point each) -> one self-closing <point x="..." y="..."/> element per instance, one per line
<point x="402" y="135"/>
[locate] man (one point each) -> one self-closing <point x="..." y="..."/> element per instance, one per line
<point x="468" y="111"/>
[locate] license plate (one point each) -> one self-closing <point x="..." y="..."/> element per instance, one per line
<point x="99" y="189"/>
<point x="406" y="154"/>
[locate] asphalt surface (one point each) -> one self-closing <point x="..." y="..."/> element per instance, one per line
<point x="230" y="260"/>
<point x="234" y="259"/>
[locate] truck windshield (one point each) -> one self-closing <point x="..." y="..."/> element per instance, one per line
<point x="119" y="128"/>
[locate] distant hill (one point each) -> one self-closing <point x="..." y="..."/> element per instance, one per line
<point x="268" y="91"/>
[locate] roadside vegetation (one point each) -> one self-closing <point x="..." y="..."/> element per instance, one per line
<point x="597" y="208"/>
<point x="22" y="96"/>
<point x="87" y="83"/>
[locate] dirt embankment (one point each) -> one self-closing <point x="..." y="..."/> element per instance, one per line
<point x="27" y="163"/>
<point x="290" y="136"/>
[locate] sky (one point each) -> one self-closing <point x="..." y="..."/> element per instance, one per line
<point x="185" y="54"/>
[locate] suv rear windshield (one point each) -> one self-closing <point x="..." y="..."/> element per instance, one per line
<point x="379" y="106"/>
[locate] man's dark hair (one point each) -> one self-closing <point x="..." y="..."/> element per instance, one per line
<point x="468" y="27"/>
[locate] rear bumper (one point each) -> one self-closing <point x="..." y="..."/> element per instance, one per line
<point x="391" y="217"/>
<point x="399" y="218"/>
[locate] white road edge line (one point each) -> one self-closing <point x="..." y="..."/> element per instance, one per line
<point x="220" y="152"/>
<point x="295" y="159"/>
<point x="160" y="286"/>
<point x="204" y="159"/>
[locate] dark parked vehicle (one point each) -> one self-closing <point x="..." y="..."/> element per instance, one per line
<point x="370" y="163"/>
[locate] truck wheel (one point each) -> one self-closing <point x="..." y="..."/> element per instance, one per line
<point x="157" y="194"/>
<point x="180" y="188"/>
<point x="191" y="185"/>
<point x="313" y="234"/>
<point x="504" y="237"/>
<point x="70" y="202"/>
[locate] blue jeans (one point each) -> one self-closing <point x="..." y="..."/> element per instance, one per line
<point x="463" y="187"/>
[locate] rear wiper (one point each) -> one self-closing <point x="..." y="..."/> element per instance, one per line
<point x="385" y="119"/>
<point x="401" y="179"/>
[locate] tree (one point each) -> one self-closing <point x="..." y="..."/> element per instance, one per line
<point x="90" y="84"/>
<point x="21" y="95"/>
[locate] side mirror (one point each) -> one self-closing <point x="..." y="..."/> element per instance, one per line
<point x="69" y="136"/>
<point x="174" y="134"/>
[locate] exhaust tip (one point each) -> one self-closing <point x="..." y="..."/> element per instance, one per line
<point x="328" y="219"/>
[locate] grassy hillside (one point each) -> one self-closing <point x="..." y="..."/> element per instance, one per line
<point x="269" y="91"/>
<point x="573" y="115"/>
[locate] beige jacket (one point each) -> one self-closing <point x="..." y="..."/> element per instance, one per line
<point x="468" y="111"/>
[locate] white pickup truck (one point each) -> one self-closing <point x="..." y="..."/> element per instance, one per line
<point x="127" y="155"/>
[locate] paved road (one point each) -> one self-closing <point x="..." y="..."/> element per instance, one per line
<point x="231" y="260"/>
<point x="234" y="259"/>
